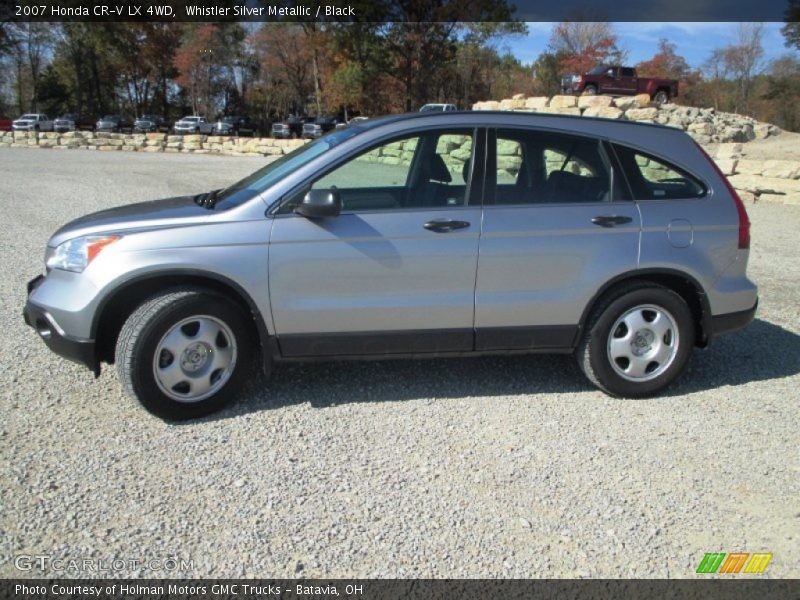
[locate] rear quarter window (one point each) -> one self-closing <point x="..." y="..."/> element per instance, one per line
<point x="652" y="178"/>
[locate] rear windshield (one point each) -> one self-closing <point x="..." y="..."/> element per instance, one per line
<point x="652" y="178"/>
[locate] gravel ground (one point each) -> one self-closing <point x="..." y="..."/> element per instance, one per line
<point x="491" y="467"/>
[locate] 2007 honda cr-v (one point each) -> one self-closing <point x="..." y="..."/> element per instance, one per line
<point x="421" y="235"/>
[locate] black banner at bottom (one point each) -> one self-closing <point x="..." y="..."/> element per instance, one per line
<point x="368" y="589"/>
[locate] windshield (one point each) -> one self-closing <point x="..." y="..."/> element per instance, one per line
<point x="598" y="70"/>
<point x="431" y="108"/>
<point x="109" y="118"/>
<point x="192" y="119"/>
<point x="33" y="117"/>
<point x="269" y="175"/>
<point x="230" y="119"/>
<point x="68" y="117"/>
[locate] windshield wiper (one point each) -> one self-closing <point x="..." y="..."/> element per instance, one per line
<point x="207" y="200"/>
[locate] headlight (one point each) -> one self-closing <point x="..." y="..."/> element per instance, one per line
<point x="75" y="255"/>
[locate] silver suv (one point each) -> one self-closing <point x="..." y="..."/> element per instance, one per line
<point x="436" y="234"/>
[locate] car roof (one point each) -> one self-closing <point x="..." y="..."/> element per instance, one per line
<point x="652" y="137"/>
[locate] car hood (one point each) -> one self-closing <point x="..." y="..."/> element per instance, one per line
<point x="23" y="121"/>
<point x="155" y="214"/>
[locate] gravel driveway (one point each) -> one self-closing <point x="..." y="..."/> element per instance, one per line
<point x="491" y="467"/>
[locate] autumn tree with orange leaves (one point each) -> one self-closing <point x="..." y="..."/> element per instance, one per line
<point x="580" y="45"/>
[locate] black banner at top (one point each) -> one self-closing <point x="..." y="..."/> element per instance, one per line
<point x="397" y="10"/>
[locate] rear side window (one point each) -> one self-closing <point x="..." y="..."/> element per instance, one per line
<point x="540" y="167"/>
<point x="627" y="72"/>
<point x="653" y="178"/>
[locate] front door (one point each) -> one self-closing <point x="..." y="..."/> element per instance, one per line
<point x="394" y="273"/>
<point x="555" y="229"/>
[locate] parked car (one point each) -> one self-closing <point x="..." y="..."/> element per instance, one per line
<point x="5" y="124"/>
<point x="624" y="81"/>
<point x="73" y="122"/>
<point x="32" y="122"/>
<point x="150" y="124"/>
<point x="438" y="108"/>
<point x="292" y="127"/>
<point x="319" y="127"/>
<point x="235" y="125"/>
<point x="193" y="124"/>
<point x="280" y="130"/>
<point x="114" y="124"/>
<point x="619" y="242"/>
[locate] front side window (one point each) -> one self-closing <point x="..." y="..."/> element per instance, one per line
<point x="428" y="170"/>
<point x="538" y="167"/>
<point x="655" y="179"/>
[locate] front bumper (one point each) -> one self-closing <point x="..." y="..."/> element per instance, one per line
<point x="79" y="351"/>
<point x="721" y="324"/>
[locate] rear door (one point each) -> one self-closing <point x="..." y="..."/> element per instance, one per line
<point x="394" y="273"/>
<point x="556" y="227"/>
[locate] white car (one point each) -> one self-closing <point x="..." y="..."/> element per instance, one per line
<point x="193" y="124"/>
<point x="438" y="108"/>
<point x="33" y="122"/>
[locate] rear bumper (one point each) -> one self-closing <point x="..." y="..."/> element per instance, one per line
<point x="79" y="351"/>
<point x="721" y="324"/>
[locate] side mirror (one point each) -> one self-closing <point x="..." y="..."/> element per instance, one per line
<point x="320" y="203"/>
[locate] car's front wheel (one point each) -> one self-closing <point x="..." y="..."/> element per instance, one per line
<point x="184" y="353"/>
<point x="638" y="341"/>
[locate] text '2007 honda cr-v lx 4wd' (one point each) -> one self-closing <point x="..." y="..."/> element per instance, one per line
<point x="420" y="235"/>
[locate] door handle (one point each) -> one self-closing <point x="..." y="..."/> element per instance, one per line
<point x="610" y="220"/>
<point x="445" y="225"/>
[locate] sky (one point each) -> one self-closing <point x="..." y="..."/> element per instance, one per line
<point x="694" y="41"/>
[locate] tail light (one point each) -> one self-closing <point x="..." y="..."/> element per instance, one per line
<point x="744" y="220"/>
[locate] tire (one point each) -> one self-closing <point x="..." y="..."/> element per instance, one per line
<point x="590" y="90"/>
<point x="166" y="331"/>
<point x="654" y="332"/>
<point x="661" y="97"/>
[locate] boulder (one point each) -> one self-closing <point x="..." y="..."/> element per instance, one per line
<point x="594" y="101"/>
<point x="625" y="102"/>
<point x="537" y="102"/>
<point x="784" y="169"/>
<point x="749" y="166"/>
<point x="512" y="104"/>
<point x="765" y="185"/>
<point x="605" y="112"/>
<point x="561" y="110"/>
<point x="641" y="114"/>
<point x="563" y="102"/>
<point x="726" y="165"/>
<point x="518" y="97"/>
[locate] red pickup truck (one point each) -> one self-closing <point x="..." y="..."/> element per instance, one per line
<point x="621" y="81"/>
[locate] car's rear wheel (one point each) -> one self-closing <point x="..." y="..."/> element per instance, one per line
<point x="590" y="90"/>
<point x="661" y="97"/>
<point x="638" y="340"/>
<point x="184" y="353"/>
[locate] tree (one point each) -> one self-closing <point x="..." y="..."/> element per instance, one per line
<point x="582" y="45"/>
<point x="547" y="73"/>
<point x="791" y="31"/>
<point x="666" y="63"/>
<point x="744" y="61"/>
<point x="783" y="89"/>
<point x="346" y="87"/>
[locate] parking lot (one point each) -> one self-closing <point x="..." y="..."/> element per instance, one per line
<point x="481" y="467"/>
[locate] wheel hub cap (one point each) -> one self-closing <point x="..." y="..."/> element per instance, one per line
<point x="643" y="343"/>
<point x="195" y="358"/>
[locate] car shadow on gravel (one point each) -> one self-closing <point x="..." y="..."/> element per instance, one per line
<point x="327" y="384"/>
<point x="759" y="352"/>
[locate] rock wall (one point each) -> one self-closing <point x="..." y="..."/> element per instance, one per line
<point x="706" y="125"/>
<point x="149" y="142"/>
<point x="759" y="180"/>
